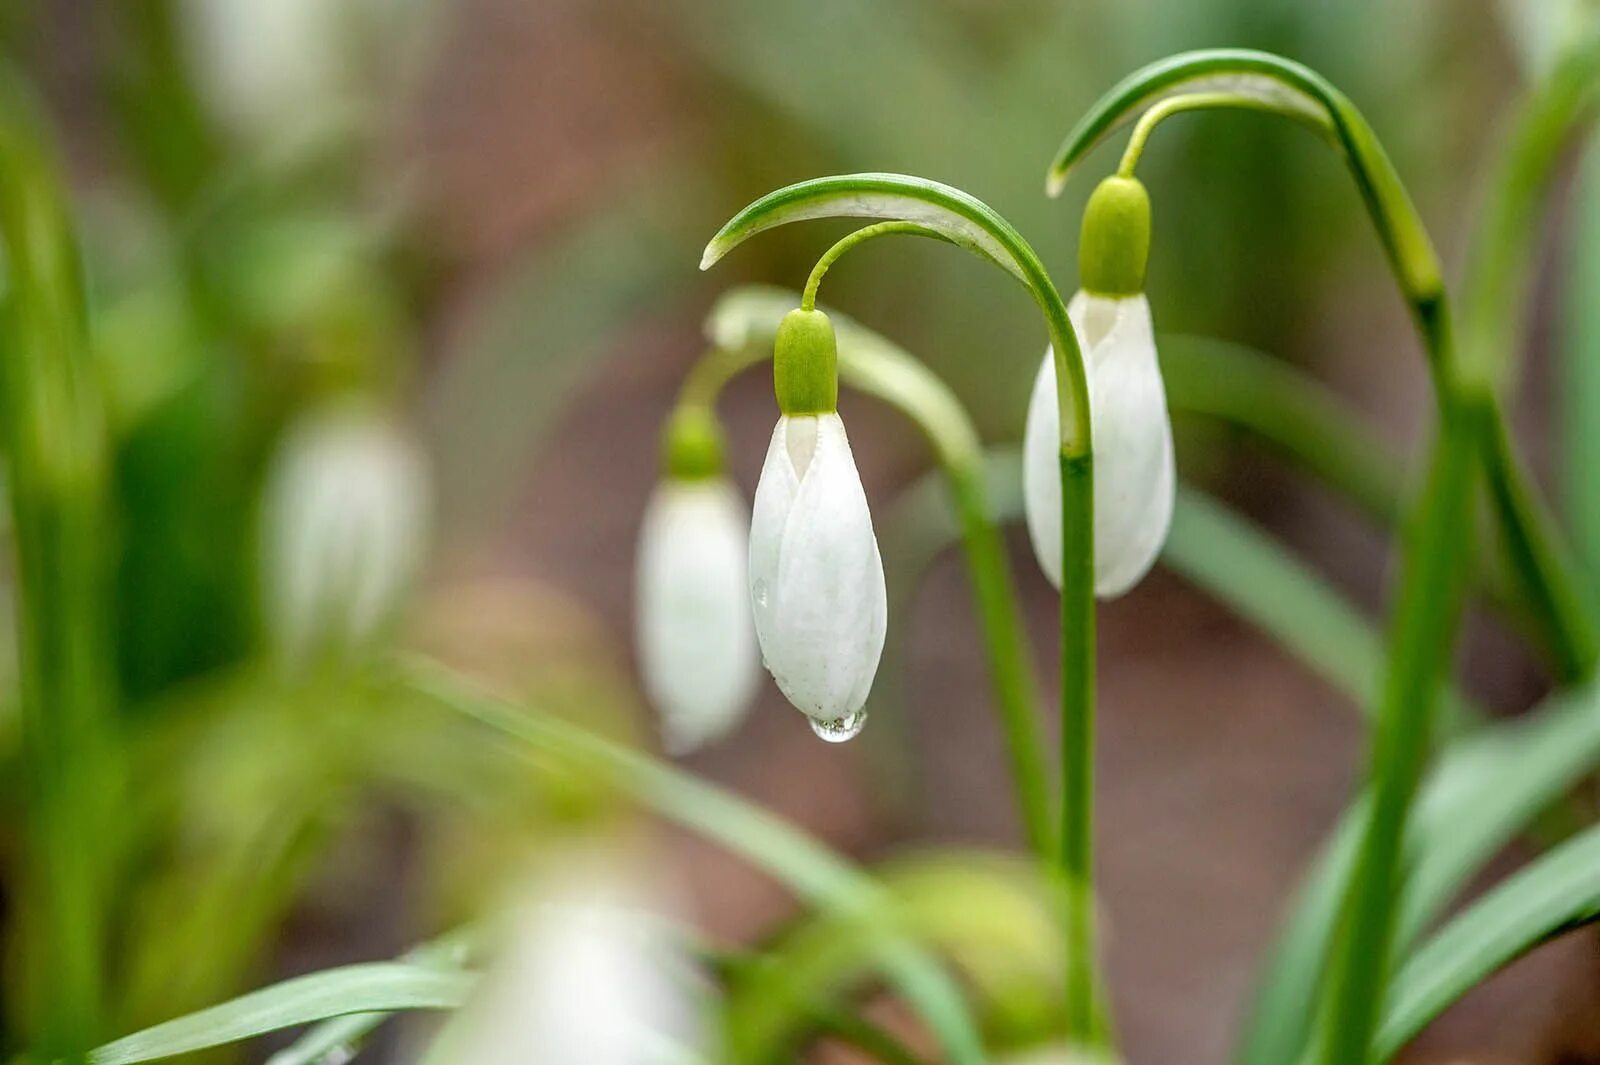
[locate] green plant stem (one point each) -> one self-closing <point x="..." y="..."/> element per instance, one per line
<point x="871" y="364"/>
<point x="1423" y="627"/>
<point x="808" y="295"/>
<point x="968" y="222"/>
<point x="56" y="473"/>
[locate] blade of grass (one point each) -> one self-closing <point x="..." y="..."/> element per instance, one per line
<point x="387" y="986"/>
<point x="1557" y="893"/>
<point x="1487" y="788"/>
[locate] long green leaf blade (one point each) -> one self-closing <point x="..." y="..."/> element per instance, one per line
<point x="375" y="987"/>
<point x="1555" y="894"/>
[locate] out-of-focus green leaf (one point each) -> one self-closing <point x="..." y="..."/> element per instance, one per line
<point x="1486" y="788"/>
<point x="992" y="916"/>
<point x="1579" y="368"/>
<point x="807" y="867"/>
<point x="1557" y="893"/>
<point x="334" y="992"/>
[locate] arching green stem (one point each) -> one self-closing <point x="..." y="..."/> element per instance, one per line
<point x="1177" y="105"/>
<point x="964" y="220"/>
<point x="808" y="297"/>
<point x="1426" y="611"/>
<point x="744" y="323"/>
<point x="1236" y="78"/>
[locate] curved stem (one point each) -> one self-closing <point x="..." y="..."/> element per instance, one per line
<point x="871" y="364"/>
<point x="1177" y="105"/>
<point x="808" y="296"/>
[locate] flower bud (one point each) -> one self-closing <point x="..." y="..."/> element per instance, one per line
<point x="1132" y="437"/>
<point x="816" y="577"/>
<point x="697" y="646"/>
<point x="344" y="529"/>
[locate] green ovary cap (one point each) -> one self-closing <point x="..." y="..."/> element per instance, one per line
<point x="1115" y="246"/>
<point x="805" y="364"/>
<point x="692" y="444"/>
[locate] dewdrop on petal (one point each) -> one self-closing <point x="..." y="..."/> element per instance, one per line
<point x="1134" y="479"/>
<point x="344" y="528"/>
<point x="696" y="638"/>
<point x="816" y="577"/>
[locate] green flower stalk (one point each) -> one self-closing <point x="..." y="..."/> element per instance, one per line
<point x="960" y="219"/>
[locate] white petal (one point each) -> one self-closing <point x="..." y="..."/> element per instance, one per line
<point x="1041" y="470"/>
<point x="1134" y="473"/>
<point x="817" y="585"/>
<point x="697" y="644"/>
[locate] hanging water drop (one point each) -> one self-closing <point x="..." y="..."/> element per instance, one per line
<point x="845" y="728"/>
<point x="761" y="593"/>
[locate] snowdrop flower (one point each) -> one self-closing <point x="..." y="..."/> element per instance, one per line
<point x="816" y="577"/>
<point x="344" y="528"/>
<point x="1132" y="433"/>
<point x="590" y="975"/>
<point x="697" y="643"/>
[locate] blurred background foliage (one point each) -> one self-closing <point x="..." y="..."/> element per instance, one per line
<point x="485" y="217"/>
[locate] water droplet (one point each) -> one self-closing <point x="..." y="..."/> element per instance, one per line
<point x="845" y="728"/>
<point x="761" y="592"/>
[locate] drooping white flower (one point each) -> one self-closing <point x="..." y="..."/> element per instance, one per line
<point x="344" y="528"/>
<point x="697" y="645"/>
<point x="590" y="975"/>
<point x="1134" y="478"/>
<point x="816" y="577"/>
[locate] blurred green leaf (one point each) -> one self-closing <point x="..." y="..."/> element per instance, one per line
<point x="331" y="993"/>
<point x="1557" y="893"/>
<point x="803" y="864"/>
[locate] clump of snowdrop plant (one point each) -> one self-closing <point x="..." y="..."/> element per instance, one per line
<point x="696" y="637"/>
<point x="1135" y="476"/>
<point x="816" y="577"/>
<point x="344" y="528"/>
<point x="1354" y="975"/>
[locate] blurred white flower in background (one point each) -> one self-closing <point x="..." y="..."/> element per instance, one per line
<point x="344" y="528"/>
<point x="591" y="974"/>
<point x="267" y="64"/>
<point x="696" y="637"/>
